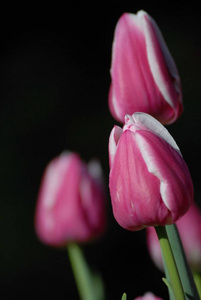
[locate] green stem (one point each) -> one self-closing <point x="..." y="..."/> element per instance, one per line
<point x="197" y="279"/>
<point x="185" y="273"/>
<point x="81" y="272"/>
<point x="169" y="262"/>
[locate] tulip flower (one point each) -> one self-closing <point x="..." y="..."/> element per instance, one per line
<point x="148" y="296"/>
<point x="71" y="201"/>
<point x="150" y="183"/>
<point x="189" y="227"/>
<point x="144" y="76"/>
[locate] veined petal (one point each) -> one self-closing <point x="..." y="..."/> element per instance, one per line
<point x="133" y="87"/>
<point x="161" y="62"/>
<point x="168" y="166"/>
<point x="136" y="202"/>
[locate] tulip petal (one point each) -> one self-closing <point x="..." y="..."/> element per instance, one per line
<point x="189" y="227"/>
<point x="148" y="296"/>
<point x="143" y="72"/>
<point x="161" y="62"/>
<point x="54" y="211"/>
<point x="131" y="78"/>
<point x="168" y="166"/>
<point x="113" y="141"/>
<point x="136" y="202"/>
<point x="92" y="202"/>
<point x="150" y="123"/>
<point x="71" y="201"/>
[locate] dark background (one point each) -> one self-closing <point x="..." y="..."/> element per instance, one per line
<point x="54" y="81"/>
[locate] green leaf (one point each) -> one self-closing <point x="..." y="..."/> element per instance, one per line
<point x="167" y="282"/>
<point x="197" y="279"/>
<point x="124" y="297"/>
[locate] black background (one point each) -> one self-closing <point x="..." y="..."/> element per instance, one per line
<point x="54" y="81"/>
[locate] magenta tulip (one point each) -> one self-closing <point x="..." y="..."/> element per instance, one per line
<point x="189" y="227"/>
<point x="144" y="76"/>
<point x="71" y="201"/>
<point x="150" y="183"/>
<point x="148" y="296"/>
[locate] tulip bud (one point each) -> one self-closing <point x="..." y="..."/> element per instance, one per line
<point x="149" y="182"/>
<point x="189" y="227"/>
<point x="144" y="76"/>
<point x="71" y="201"/>
<point x="148" y="296"/>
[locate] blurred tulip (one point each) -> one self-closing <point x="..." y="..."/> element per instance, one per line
<point x="148" y="296"/>
<point x="149" y="182"/>
<point x="71" y="201"/>
<point x="189" y="227"/>
<point x="144" y="76"/>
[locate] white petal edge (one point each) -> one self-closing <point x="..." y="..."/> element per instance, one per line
<point x="113" y="141"/>
<point x="153" y="125"/>
<point x="155" y="68"/>
<point x="152" y="168"/>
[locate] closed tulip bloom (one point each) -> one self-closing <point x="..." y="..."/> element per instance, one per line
<point x="150" y="183"/>
<point x="148" y="296"/>
<point x="189" y="227"/>
<point x="144" y="76"/>
<point x="71" y="201"/>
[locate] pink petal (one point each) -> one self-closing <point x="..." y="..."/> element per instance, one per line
<point x="71" y="202"/>
<point x="148" y="296"/>
<point x="189" y="227"/>
<point x="136" y="202"/>
<point x="131" y="78"/>
<point x="147" y="122"/>
<point x="144" y="75"/>
<point x="176" y="186"/>
<point x="161" y="62"/>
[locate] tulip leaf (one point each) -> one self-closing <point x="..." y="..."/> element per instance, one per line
<point x="124" y="297"/>
<point x="167" y="282"/>
<point x="170" y="290"/>
<point x="197" y="279"/>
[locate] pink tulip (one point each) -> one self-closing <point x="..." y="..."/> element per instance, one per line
<point x="189" y="227"/>
<point x="144" y="76"/>
<point x="150" y="183"/>
<point x="148" y="296"/>
<point x="71" y="201"/>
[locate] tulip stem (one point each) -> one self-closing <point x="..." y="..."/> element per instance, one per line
<point x="81" y="272"/>
<point x="185" y="273"/>
<point x="173" y="278"/>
